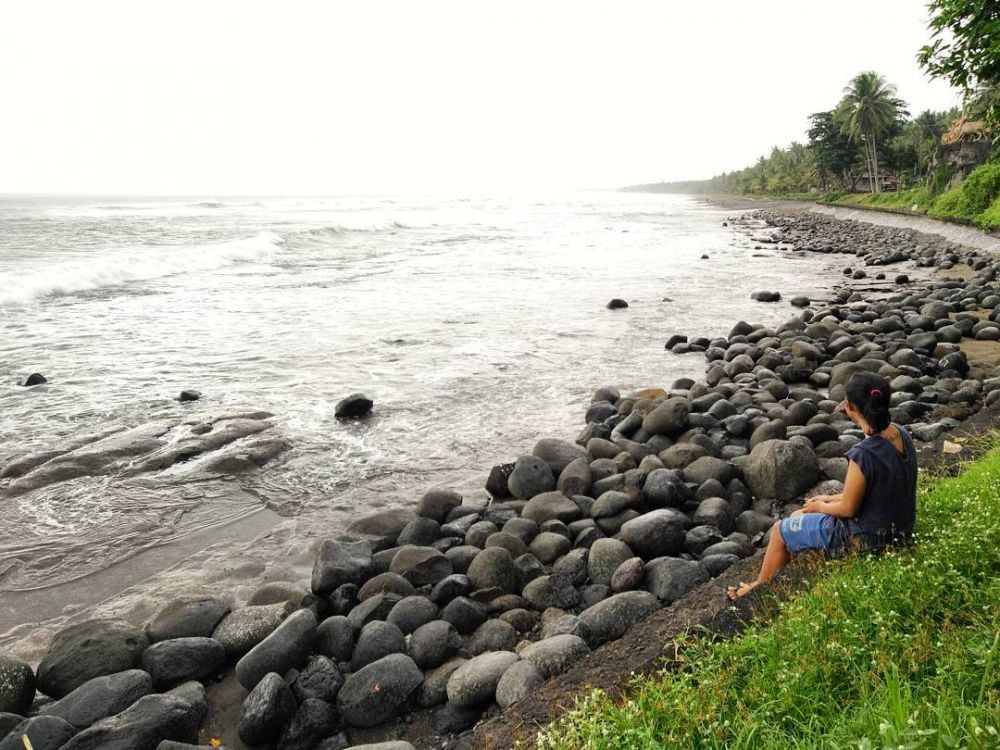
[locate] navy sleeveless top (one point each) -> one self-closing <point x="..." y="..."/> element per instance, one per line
<point x="889" y="507"/>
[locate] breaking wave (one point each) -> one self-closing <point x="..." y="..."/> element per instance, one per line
<point x="131" y="265"/>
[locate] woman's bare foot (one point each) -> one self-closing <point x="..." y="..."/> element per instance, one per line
<point x="735" y="592"/>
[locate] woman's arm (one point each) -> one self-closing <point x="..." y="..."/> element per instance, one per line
<point x="847" y="503"/>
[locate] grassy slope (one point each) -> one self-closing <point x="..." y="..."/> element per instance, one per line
<point x="948" y="205"/>
<point x="899" y="651"/>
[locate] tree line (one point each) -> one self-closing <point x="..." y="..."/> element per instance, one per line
<point x="868" y="140"/>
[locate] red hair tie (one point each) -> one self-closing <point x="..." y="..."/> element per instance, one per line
<point x="875" y="392"/>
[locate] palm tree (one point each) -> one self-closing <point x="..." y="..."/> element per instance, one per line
<point x="867" y="112"/>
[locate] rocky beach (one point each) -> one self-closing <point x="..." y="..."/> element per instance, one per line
<point x="417" y="623"/>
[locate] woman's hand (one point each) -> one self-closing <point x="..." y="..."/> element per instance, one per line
<point x="815" y="504"/>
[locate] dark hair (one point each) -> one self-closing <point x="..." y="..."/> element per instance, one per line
<point x="870" y="395"/>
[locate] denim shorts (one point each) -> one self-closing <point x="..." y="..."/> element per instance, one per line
<point x="813" y="531"/>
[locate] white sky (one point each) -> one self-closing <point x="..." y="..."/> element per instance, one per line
<point x="217" y="97"/>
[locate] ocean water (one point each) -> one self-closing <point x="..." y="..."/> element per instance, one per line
<point x="477" y="324"/>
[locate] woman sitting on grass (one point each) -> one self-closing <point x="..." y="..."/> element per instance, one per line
<point x="879" y="503"/>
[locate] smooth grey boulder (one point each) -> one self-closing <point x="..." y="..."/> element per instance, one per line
<point x="44" y="733"/>
<point x="664" y="488"/>
<point x="493" y="567"/>
<point x="244" y="628"/>
<point x="285" y="648"/>
<point x="266" y="710"/>
<point x="558" y="454"/>
<point x="376" y="640"/>
<point x="189" y="617"/>
<point x="517" y="683"/>
<point x="629" y="575"/>
<point x="438" y="503"/>
<point x="335" y="638"/>
<point x="17" y="685"/>
<point x="654" y="534"/>
<point x="86" y="650"/>
<point x="717" y="512"/>
<point x="780" y="470"/>
<point x="604" y="557"/>
<point x="340" y="562"/>
<point x="611" y="503"/>
<point x="379" y="691"/>
<point x="551" y="591"/>
<point x="702" y="469"/>
<point x="179" y="660"/>
<point x="464" y="613"/>
<point x="420" y="532"/>
<point x="492" y="635"/>
<point x="392" y="583"/>
<point x="669" y="578"/>
<point x="384" y="525"/>
<point x="449" y="587"/>
<point x="530" y="476"/>
<point x="575" y="479"/>
<point x="549" y="506"/>
<point x="669" y="418"/>
<point x="549" y="546"/>
<point x="752" y="523"/>
<point x="421" y="566"/>
<point x="101" y="697"/>
<point x="610" y="619"/>
<point x="411" y="612"/>
<point x="475" y="682"/>
<point x="433" y="644"/>
<point x="146" y="723"/>
<point x="554" y="655"/>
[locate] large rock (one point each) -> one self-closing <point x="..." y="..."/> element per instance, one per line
<point x="385" y="524"/>
<point x="411" y="612"/>
<point x="421" y="566"/>
<point x="146" y="723"/>
<point x="549" y="506"/>
<point x="285" y="648"/>
<point x="610" y="619"/>
<point x="551" y="591"/>
<point x="189" y="617"/>
<point x="379" y="691"/>
<point x="669" y="418"/>
<point x="654" y="534"/>
<point x="353" y="407"/>
<point x="320" y="679"/>
<point x="604" y="558"/>
<point x="433" y="644"/>
<point x="101" y="697"/>
<point x="43" y="732"/>
<point x="669" y="578"/>
<point x="179" y="660"/>
<point x="530" y="476"/>
<point x="341" y="562"/>
<point x="555" y="655"/>
<point x="664" y="488"/>
<point x="86" y="650"/>
<point x="780" y="470"/>
<point x="702" y="469"/>
<point x="475" y="682"/>
<point x="517" y="683"/>
<point x="493" y="567"/>
<point x="438" y="503"/>
<point x="717" y="512"/>
<point x="575" y="479"/>
<point x="313" y="721"/>
<point x="376" y="640"/>
<point x="335" y="638"/>
<point x="241" y="630"/>
<point x="17" y="685"/>
<point x="558" y="454"/>
<point x="492" y="635"/>
<point x="266" y="710"/>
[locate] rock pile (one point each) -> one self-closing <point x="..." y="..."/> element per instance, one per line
<point x="464" y="609"/>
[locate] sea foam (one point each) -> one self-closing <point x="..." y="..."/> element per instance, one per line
<point x="138" y="264"/>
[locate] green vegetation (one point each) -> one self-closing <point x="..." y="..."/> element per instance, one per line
<point x="899" y="651"/>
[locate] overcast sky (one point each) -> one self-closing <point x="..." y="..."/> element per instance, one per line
<point x="391" y="97"/>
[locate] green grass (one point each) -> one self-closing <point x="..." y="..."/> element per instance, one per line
<point x="897" y="651"/>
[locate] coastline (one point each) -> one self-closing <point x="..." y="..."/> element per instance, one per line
<point x="697" y="605"/>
